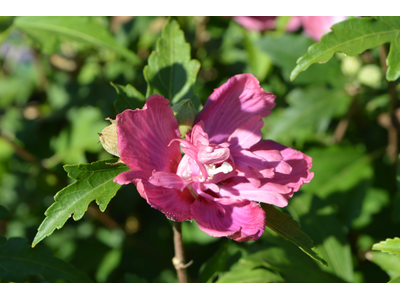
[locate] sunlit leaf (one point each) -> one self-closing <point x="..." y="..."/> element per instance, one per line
<point x="395" y="280"/>
<point x="47" y="30"/>
<point x="388" y="263"/>
<point x="354" y="36"/>
<point x="170" y="71"/>
<point x="288" y="228"/>
<point x="391" y="246"/>
<point x="18" y="261"/>
<point x="94" y="182"/>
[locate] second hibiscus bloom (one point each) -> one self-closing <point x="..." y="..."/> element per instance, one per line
<point x="226" y="169"/>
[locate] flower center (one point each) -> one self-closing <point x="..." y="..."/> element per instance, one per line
<point x="224" y="168"/>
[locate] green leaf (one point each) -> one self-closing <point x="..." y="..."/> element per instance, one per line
<point x="328" y="234"/>
<point x="278" y="255"/>
<point x="251" y="272"/>
<point x="391" y="246"/>
<point x="18" y="261"/>
<point x="81" y="136"/>
<point x="259" y="63"/>
<point x="288" y="228"/>
<point x="363" y="210"/>
<point x="128" y="98"/>
<point x="310" y="109"/>
<point x="388" y="263"/>
<point x="295" y="45"/>
<point x="337" y="169"/>
<point x="170" y="71"/>
<point x="47" y="30"/>
<point x="94" y="181"/>
<point x="354" y="36"/>
<point x="228" y="253"/>
<point x="395" y="280"/>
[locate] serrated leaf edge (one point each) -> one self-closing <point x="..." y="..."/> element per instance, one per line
<point x="37" y="240"/>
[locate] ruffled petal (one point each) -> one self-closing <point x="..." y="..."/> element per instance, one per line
<point x="270" y="193"/>
<point x="241" y="220"/>
<point x="231" y="105"/>
<point x="300" y="165"/>
<point x="144" y="136"/>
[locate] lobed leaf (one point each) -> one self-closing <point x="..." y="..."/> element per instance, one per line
<point x="288" y="228"/>
<point x="94" y="182"/>
<point x="391" y="246"/>
<point x="47" y="30"/>
<point x="18" y="261"/>
<point x="354" y="36"/>
<point x="170" y="71"/>
<point x="388" y="263"/>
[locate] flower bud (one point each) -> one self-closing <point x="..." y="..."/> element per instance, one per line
<point x="109" y="138"/>
<point x="185" y="113"/>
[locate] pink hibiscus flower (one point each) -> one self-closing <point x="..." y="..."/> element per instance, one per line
<point x="226" y="169"/>
<point x="314" y="26"/>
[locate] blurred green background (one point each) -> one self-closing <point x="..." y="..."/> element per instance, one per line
<point x="55" y="94"/>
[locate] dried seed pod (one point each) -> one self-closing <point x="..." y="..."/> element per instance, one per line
<point x="109" y="138"/>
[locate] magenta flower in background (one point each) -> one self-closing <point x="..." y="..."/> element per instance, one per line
<point x="313" y="26"/>
<point x="226" y="169"/>
<point x="256" y="23"/>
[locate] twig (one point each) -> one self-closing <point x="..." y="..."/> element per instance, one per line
<point x="179" y="258"/>
<point x="343" y="124"/>
<point x="21" y="152"/>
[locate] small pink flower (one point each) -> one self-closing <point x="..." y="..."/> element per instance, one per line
<point x="256" y="23"/>
<point x="315" y="26"/>
<point x="226" y="169"/>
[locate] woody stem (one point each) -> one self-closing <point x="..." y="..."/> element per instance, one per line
<point x="179" y="258"/>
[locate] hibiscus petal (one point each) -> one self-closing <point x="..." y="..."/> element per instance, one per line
<point x="131" y="176"/>
<point x="247" y="135"/>
<point x="144" y="136"/>
<point x="173" y="203"/>
<point x="168" y="180"/>
<point x="270" y="193"/>
<point x="236" y="219"/>
<point x="231" y="105"/>
<point x="299" y="163"/>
